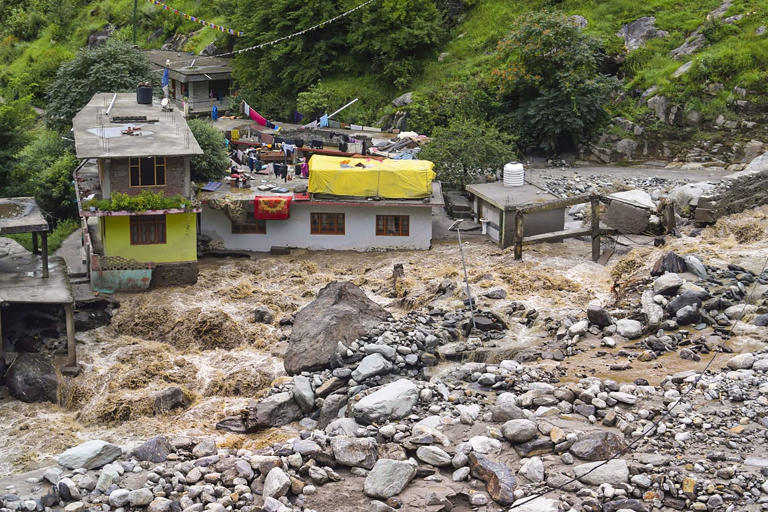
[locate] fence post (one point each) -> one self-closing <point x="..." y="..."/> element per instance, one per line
<point x="518" y="235"/>
<point x="595" y="203"/>
<point x="669" y="212"/>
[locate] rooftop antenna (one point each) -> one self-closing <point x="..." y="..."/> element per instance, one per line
<point x="457" y="226"/>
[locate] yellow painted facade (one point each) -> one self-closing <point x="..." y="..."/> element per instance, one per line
<point x="181" y="239"/>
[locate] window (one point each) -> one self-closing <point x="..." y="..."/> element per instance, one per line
<point x="326" y="224"/>
<point x="249" y="225"/>
<point x="147" y="172"/>
<point x="392" y="225"/>
<point x="147" y="229"/>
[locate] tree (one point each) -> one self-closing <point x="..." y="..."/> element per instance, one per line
<point x="548" y="75"/>
<point x="114" y="67"/>
<point x="54" y="188"/>
<point x="16" y="118"/>
<point x="466" y="149"/>
<point x="214" y="161"/>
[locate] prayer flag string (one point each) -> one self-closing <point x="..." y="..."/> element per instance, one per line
<point x="195" y="19"/>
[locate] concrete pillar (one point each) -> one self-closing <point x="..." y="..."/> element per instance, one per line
<point x="45" y="254"/>
<point x="71" y="366"/>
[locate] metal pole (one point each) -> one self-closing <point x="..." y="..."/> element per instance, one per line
<point x="135" y="2"/>
<point x="466" y="278"/>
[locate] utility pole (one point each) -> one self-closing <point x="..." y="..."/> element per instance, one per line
<point x="135" y="2"/>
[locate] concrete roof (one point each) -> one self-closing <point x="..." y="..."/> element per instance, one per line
<point x="180" y="68"/>
<point x="21" y="278"/>
<point x="98" y="136"/>
<point x="20" y="215"/>
<point x="506" y="197"/>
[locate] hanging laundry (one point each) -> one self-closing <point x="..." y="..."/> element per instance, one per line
<point x="247" y="110"/>
<point x="324" y="121"/>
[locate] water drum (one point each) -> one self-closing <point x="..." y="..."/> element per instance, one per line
<point x="514" y="175"/>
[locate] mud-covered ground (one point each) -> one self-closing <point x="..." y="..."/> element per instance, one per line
<point x="203" y="339"/>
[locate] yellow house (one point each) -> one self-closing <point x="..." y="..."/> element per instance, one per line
<point x="134" y="193"/>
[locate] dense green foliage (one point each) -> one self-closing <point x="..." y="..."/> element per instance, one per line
<point x="213" y="163"/>
<point x="113" y="67"/>
<point x="55" y="238"/>
<point x="465" y="150"/>
<point x="55" y="190"/>
<point x="146" y="200"/>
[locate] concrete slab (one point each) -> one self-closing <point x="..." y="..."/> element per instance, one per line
<point x="21" y="278"/>
<point x="21" y="215"/>
<point x="100" y="136"/>
<point x="508" y="197"/>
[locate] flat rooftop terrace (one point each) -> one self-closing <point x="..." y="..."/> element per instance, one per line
<point x="20" y="215"/>
<point x="21" y="277"/>
<point x="509" y="197"/>
<point x="161" y="133"/>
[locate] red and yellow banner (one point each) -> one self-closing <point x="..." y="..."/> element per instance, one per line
<point x="195" y="19"/>
<point x="271" y="207"/>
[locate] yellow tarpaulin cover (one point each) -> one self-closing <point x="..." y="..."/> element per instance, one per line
<point x="388" y="179"/>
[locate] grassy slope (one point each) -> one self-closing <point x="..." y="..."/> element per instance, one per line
<point x="736" y="56"/>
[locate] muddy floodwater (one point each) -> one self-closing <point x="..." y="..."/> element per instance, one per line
<point x="204" y="340"/>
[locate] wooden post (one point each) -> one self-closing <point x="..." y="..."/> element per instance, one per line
<point x="518" y="235"/>
<point x="2" y="345"/>
<point x="595" y="203"/>
<point x="669" y="212"/>
<point x="71" y="366"/>
<point x="45" y="254"/>
<point x="34" y="242"/>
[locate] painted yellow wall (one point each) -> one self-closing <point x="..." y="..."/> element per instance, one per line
<point x="181" y="240"/>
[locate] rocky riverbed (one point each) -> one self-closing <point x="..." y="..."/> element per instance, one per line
<point x="418" y="402"/>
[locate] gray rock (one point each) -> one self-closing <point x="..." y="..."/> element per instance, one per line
<point x="635" y="34"/>
<point x="354" y="452"/>
<point x="52" y="475"/>
<point x="342" y="427"/>
<point x="32" y="378"/>
<point x="500" y="481"/>
<point x="108" y="476"/>
<point x="204" y="448"/>
<point x="577" y="329"/>
<point x="403" y="99"/>
<point x="154" y="450"/>
<point x="519" y="430"/>
<point x="599" y="316"/>
<point x="160" y="504"/>
<point x="90" y="455"/>
<point x="694" y="43"/>
<point x="533" y="470"/>
<point x="277" y="483"/>
<point x="118" y="498"/>
<point x="741" y="361"/>
<point x="506" y="409"/>
<point x="614" y="472"/>
<point x="627" y="218"/>
<point x="388" y="478"/>
<point x="393" y="401"/>
<point x="694" y="265"/>
<point x="140" y="497"/>
<point x="496" y="293"/>
<point x="659" y="105"/>
<point x="597" y="446"/>
<point x="385" y="350"/>
<point x="687" y="315"/>
<point x="460" y="474"/>
<point x="263" y="315"/>
<point x="168" y="399"/>
<point x="303" y="394"/>
<point x="540" y="504"/>
<point x="275" y="411"/>
<point x="667" y="284"/>
<point x="371" y="365"/>
<point x="341" y="312"/>
<point x="630" y="329"/>
<point x="625" y="398"/>
<point x="433" y="455"/>
<point x="654" y="314"/>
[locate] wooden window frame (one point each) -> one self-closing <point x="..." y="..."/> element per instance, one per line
<point x="335" y="227"/>
<point x="157" y="225"/>
<point x="251" y="226"/>
<point x="383" y="223"/>
<point x="159" y="165"/>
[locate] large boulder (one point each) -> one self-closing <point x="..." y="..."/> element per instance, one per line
<point x="597" y="446"/>
<point x="615" y="472"/>
<point x="32" y="378"/>
<point x="351" y="451"/>
<point x="500" y="481"/>
<point x="389" y="477"/>
<point x="390" y="402"/>
<point x="155" y="450"/>
<point x="89" y="455"/>
<point x="275" y="411"/>
<point x="371" y="365"/>
<point x="341" y="312"/>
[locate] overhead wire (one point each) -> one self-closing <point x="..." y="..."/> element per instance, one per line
<point x="654" y="424"/>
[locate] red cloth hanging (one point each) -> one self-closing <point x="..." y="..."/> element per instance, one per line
<point x="254" y="115"/>
<point x="271" y="207"/>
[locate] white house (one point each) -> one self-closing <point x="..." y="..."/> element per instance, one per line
<point x="322" y="219"/>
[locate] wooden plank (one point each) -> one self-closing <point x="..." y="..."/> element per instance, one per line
<point x="595" y="205"/>
<point x="519" y="240"/>
<point x="556" y="236"/>
<point x="605" y="256"/>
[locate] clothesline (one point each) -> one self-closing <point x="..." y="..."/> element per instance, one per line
<point x="290" y="36"/>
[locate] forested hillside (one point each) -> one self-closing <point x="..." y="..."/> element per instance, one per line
<point x="611" y="80"/>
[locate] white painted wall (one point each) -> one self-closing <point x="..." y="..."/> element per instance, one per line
<point x="360" y="229"/>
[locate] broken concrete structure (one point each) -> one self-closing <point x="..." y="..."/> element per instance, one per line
<point x="736" y="192"/>
<point x="497" y="204"/>
<point x="30" y="278"/>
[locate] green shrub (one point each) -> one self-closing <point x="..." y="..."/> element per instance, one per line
<point x="146" y="200"/>
<point x="60" y="232"/>
<point x="214" y="162"/>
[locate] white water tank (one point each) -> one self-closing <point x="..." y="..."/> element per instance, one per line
<point x="514" y="174"/>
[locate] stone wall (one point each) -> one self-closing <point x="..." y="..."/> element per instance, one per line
<point x="174" y="274"/>
<point x="736" y="192"/>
